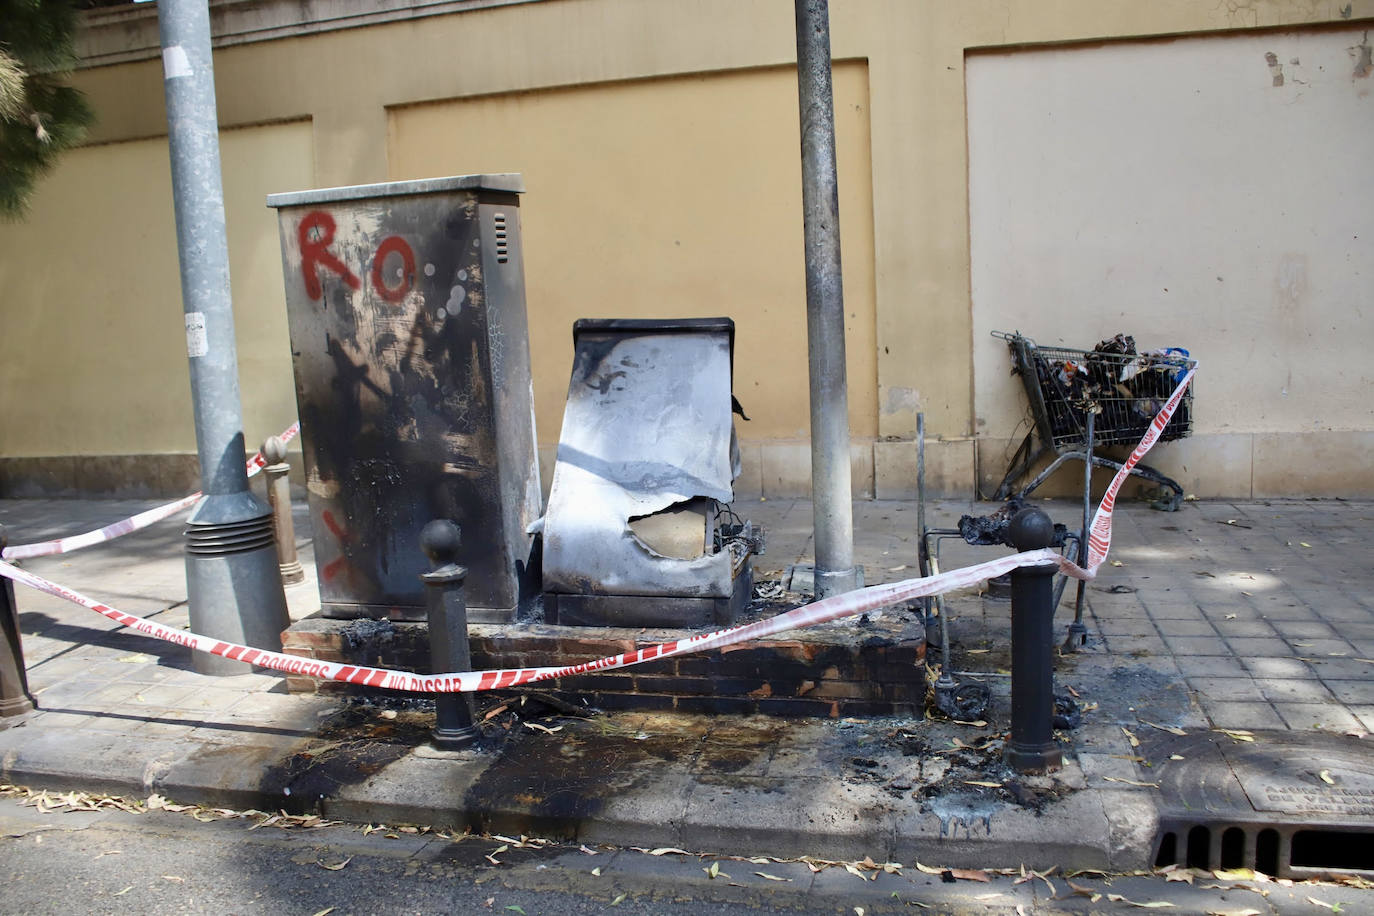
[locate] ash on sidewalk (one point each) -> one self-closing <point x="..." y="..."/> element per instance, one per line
<point x="1234" y="623"/>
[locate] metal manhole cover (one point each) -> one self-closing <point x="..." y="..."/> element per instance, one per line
<point x="1295" y="776"/>
<point x="1285" y="803"/>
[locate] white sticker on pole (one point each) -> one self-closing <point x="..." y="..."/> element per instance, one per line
<point x="175" y="62"/>
<point x="197" y="340"/>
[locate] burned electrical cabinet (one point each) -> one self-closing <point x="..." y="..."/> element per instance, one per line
<point x="635" y="533"/>
<point x="406" y="305"/>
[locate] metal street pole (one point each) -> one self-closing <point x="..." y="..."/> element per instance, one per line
<point x="830" y="485"/>
<point x="234" y="587"/>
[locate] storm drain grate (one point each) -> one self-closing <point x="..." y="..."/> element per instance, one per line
<point x="1286" y="851"/>
<point x="1286" y="804"/>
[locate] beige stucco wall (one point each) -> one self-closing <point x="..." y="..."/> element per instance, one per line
<point x="93" y="355"/>
<point x="356" y="87"/>
<point x="1193" y="194"/>
<point x="678" y="197"/>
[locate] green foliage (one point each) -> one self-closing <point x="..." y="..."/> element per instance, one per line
<point x="40" y="116"/>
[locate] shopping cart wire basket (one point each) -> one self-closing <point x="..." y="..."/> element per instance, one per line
<point x="1083" y="399"/>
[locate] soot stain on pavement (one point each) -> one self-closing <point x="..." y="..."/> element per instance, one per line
<point x="547" y="784"/>
<point x="350" y="747"/>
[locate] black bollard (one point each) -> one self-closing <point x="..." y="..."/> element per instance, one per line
<point x="448" y="631"/>
<point x="1032" y="748"/>
<point x="15" y="699"/>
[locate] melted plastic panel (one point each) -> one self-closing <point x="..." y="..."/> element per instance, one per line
<point x="647" y="427"/>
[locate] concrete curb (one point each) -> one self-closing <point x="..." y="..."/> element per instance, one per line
<point x="818" y="814"/>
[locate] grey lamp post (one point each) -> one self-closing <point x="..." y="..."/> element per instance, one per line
<point x="830" y="484"/>
<point x="232" y="579"/>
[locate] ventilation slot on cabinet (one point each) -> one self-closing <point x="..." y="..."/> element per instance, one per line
<point x="502" y="249"/>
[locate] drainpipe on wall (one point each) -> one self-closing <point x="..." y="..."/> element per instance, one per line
<point x="233" y="584"/>
<point x="830" y="485"/>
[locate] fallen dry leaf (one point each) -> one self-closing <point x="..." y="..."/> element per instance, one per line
<point x="338" y="867"/>
<point x="929" y="869"/>
<point x="619" y="899"/>
<point x="985" y="785"/>
<point x="970" y="874"/>
<point x="664" y="850"/>
<point x="542" y="728"/>
<point x="764" y="874"/>
<point x="1117" y="563"/>
<point x="1132" y="782"/>
<point x="1325" y="776"/>
<point x="324" y="912"/>
<point x="1135" y="742"/>
<point x="1151" y="905"/>
<point x="495" y="712"/>
<point x="123" y="892"/>
<point x="1171" y="729"/>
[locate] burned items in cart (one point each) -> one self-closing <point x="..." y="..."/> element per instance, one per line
<point x="1081" y="400"/>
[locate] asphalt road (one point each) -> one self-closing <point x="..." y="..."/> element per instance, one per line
<point x="162" y="862"/>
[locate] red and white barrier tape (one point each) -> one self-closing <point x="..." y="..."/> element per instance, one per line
<point x="1100" y="531"/>
<point x="846" y="605"/>
<point x="131" y="524"/>
<point x="833" y="608"/>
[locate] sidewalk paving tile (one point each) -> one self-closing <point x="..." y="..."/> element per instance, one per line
<point x="1231" y="714"/>
<point x="1183" y="646"/>
<point x="1356" y="693"/>
<point x="1238" y="689"/>
<point x="1292" y="690"/>
<point x="1329" y="716"/>
<point x="1264" y="666"/>
<point x="1212" y="666"/>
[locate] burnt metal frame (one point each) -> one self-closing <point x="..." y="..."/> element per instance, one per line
<point x="928" y="564"/>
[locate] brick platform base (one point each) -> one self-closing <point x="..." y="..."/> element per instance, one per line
<point x="838" y="669"/>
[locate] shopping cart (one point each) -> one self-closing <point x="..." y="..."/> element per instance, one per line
<point x="1083" y="399"/>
